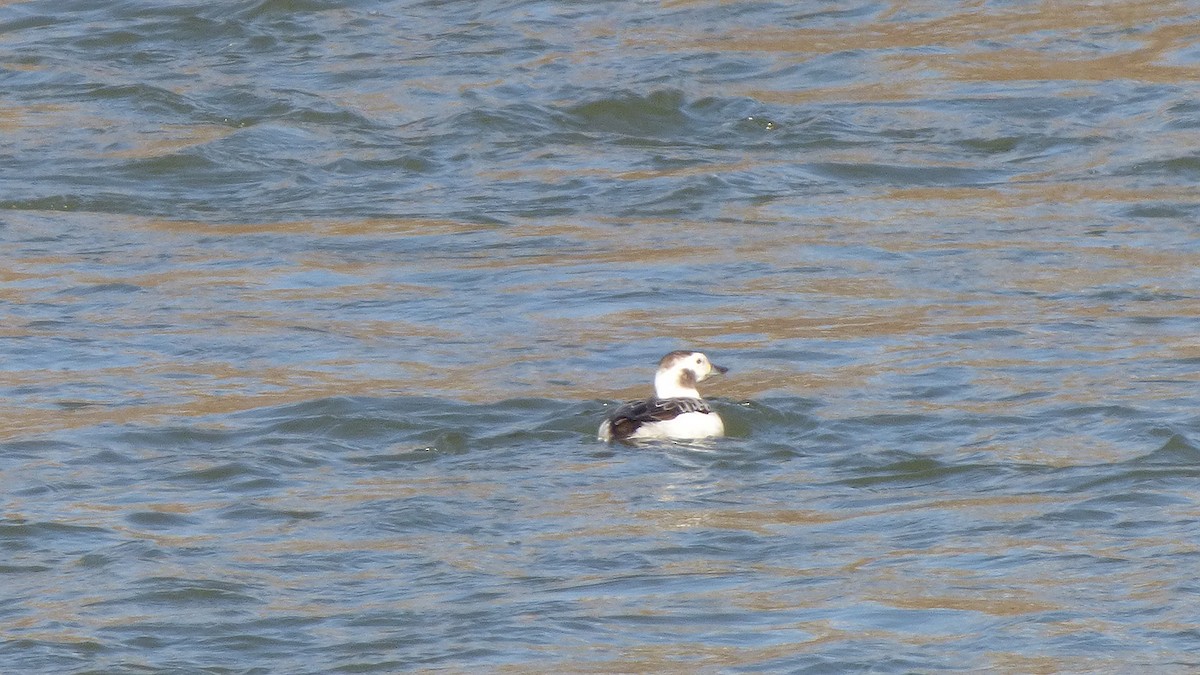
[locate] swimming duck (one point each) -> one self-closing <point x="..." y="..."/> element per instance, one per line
<point x="676" y="410"/>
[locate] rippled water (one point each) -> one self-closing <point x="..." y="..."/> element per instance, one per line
<point x="311" y="310"/>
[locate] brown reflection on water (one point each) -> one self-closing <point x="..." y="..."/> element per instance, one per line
<point x="1149" y="62"/>
<point x="159" y="142"/>
<point x="363" y="226"/>
<point x="41" y="117"/>
<point x="963" y="29"/>
<point x="1010" y="603"/>
<point x="760" y="521"/>
<point x="1092" y="43"/>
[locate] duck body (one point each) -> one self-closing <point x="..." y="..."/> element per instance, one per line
<point x="662" y="418"/>
<point x="676" y="411"/>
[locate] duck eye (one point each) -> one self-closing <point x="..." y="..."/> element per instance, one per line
<point x="699" y="360"/>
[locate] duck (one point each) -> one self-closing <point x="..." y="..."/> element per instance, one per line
<point x="676" y="411"/>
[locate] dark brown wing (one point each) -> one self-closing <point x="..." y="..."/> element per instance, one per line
<point x="629" y="417"/>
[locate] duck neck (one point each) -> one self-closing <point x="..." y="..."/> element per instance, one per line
<point x="673" y="384"/>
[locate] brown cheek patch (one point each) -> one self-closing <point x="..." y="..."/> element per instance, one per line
<point x="687" y="378"/>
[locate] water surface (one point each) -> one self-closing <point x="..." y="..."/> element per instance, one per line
<point x="311" y="311"/>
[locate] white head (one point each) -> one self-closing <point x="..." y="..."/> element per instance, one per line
<point x="678" y="373"/>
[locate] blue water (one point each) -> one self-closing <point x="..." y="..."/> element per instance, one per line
<point x="310" y="312"/>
